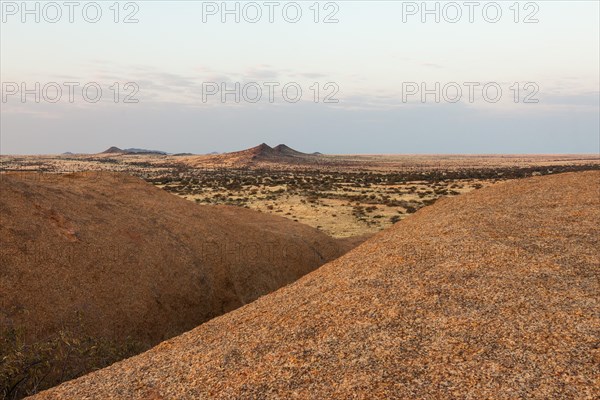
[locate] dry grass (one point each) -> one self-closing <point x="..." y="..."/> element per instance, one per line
<point x="349" y="207"/>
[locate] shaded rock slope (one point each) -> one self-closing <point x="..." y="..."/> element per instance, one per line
<point x="113" y="257"/>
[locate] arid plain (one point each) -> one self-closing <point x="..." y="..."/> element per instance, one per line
<point x="342" y="195"/>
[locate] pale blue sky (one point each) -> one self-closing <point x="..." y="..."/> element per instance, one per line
<point x="370" y="53"/>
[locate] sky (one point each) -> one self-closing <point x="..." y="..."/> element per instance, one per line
<point x="331" y="76"/>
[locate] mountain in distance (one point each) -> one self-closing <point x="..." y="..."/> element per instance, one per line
<point x="284" y="150"/>
<point x="132" y="150"/>
<point x="113" y="150"/>
<point x="262" y="154"/>
<point x="144" y="151"/>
